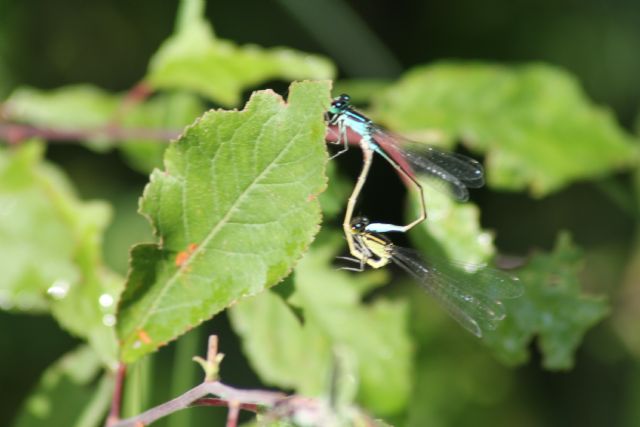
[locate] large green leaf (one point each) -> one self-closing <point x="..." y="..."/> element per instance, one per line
<point x="51" y="244"/>
<point x="553" y="308"/>
<point x="534" y="123"/>
<point x="194" y="59"/>
<point x="234" y="208"/>
<point x="68" y="395"/>
<point x="291" y="354"/>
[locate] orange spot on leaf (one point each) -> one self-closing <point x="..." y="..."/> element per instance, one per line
<point x="183" y="256"/>
<point x="144" y="336"/>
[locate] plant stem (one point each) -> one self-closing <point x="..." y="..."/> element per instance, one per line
<point x="15" y="133"/>
<point x="242" y="398"/>
<point x="116" y="401"/>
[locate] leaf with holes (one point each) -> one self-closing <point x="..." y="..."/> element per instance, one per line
<point x="194" y="59"/>
<point x="535" y="124"/>
<point x="234" y="209"/>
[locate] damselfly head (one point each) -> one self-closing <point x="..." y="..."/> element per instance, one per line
<point x="339" y="104"/>
<point x="359" y="224"/>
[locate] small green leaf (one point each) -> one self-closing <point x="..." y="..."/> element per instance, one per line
<point x="553" y="307"/>
<point x="290" y="354"/>
<point x="67" y="394"/>
<point x="234" y="209"/>
<point x="194" y="59"/>
<point x="451" y="228"/>
<point x="534" y="123"/>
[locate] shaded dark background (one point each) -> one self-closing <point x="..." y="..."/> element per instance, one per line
<point x="108" y="43"/>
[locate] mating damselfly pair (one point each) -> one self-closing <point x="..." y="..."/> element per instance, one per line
<point x="471" y="294"/>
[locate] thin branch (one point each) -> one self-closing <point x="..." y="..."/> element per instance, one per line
<point x="276" y="405"/>
<point x="136" y="95"/>
<point x="15" y="133"/>
<point x="212" y="401"/>
<point x="195" y="396"/>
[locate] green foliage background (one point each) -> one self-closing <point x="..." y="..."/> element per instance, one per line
<point x="544" y="93"/>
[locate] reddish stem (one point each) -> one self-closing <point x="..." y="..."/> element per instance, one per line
<point x="212" y="401"/>
<point x="136" y="95"/>
<point x="116" y="400"/>
<point x="16" y="133"/>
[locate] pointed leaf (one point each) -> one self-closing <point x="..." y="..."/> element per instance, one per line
<point x="534" y="123"/>
<point x="234" y="209"/>
<point x="194" y="59"/>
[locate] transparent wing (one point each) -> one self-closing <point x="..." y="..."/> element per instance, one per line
<point x="471" y="298"/>
<point x="455" y="171"/>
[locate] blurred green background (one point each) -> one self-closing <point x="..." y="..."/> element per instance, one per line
<point x="108" y="43"/>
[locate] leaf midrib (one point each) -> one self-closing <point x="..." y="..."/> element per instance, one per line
<point x="213" y="232"/>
